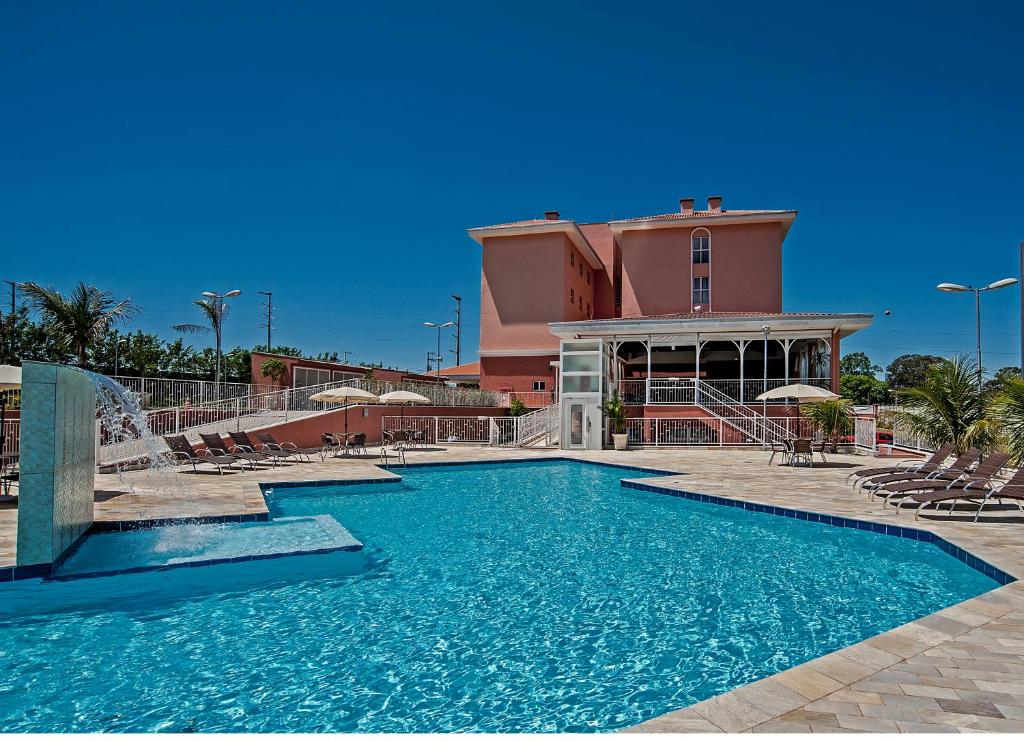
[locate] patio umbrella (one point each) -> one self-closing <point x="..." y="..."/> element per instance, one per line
<point x="10" y="380"/>
<point x="345" y="395"/>
<point x="403" y="398"/>
<point x="803" y="394"/>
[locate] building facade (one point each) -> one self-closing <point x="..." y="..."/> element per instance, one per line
<point x="671" y="310"/>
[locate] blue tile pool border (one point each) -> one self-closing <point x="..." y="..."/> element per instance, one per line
<point x="898" y="531"/>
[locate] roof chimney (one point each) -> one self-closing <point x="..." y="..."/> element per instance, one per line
<point x="551" y="215"/>
<point x="686" y="206"/>
<point x="714" y="203"/>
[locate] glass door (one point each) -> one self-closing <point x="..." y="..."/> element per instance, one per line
<point x="576" y="421"/>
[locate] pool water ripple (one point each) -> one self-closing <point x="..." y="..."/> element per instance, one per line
<point x="536" y="596"/>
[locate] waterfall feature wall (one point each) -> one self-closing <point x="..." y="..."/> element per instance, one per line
<point x="58" y="461"/>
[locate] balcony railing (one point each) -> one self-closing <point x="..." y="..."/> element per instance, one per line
<point x="672" y="391"/>
<point x="718" y="431"/>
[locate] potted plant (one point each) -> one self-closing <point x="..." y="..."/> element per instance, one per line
<point x="833" y="419"/>
<point x="615" y="411"/>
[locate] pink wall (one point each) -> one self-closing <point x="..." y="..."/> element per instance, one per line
<point x="517" y="373"/>
<point x="306" y="432"/>
<point x="745" y="269"/>
<point x="603" y="242"/>
<point x="521" y="291"/>
<point x="579" y="286"/>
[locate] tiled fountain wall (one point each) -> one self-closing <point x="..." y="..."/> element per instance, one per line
<point x="58" y="460"/>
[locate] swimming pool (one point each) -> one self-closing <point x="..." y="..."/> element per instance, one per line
<point x="537" y="596"/>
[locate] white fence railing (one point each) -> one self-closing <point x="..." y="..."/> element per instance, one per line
<point x="174" y="392"/>
<point x="536" y="428"/>
<point x="672" y="391"/>
<point x="743" y="418"/>
<point x="12" y="436"/>
<point x="442" y="429"/>
<point x="864" y="433"/>
<point x="702" y="432"/>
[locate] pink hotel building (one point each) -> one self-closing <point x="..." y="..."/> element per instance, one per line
<point x="682" y="312"/>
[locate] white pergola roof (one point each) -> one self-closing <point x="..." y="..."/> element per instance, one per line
<point x="685" y="329"/>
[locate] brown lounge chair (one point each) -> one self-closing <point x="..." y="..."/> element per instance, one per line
<point x="182" y="452"/>
<point x="911" y="466"/>
<point x="955" y="471"/>
<point x="973" y="492"/>
<point x="978" y="479"/>
<point x="248" y="445"/>
<point x="217" y="446"/>
<point x="269" y="442"/>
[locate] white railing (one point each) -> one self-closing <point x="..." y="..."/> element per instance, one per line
<point x="672" y="391"/>
<point x="442" y="429"/>
<point x="699" y="432"/>
<point x="540" y="427"/>
<point x="758" y="427"/>
<point x="532" y="399"/>
<point x="12" y="436"/>
<point x="864" y="433"/>
<point x="174" y="392"/>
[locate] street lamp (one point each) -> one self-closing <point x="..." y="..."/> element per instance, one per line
<point x="437" y="357"/>
<point x="957" y="288"/>
<point x="218" y="311"/>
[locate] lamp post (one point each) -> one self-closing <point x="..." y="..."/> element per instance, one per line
<point x="218" y="310"/>
<point x="957" y="288"/>
<point x="437" y="357"/>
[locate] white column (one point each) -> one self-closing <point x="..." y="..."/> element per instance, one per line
<point x="742" y="344"/>
<point x="647" y="383"/>
<point x="785" y="355"/>
<point x="696" y="375"/>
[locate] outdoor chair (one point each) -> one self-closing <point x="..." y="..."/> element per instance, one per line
<point x="248" y="445"/>
<point x="959" y="467"/>
<point x="818" y="447"/>
<point x="215" y="445"/>
<point x="801" y="451"/>
<point x="912" y="465"/>
<point x="396" y="439"/>
<point x="355" y="443"/>
<point x="332" y="443"/>
<point x="972" y="489"/>
<point x="782" y="449"/>
<point x="267" y="439"/>
<point x="182" y="452"/>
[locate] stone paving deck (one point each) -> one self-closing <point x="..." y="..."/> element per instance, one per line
<point x="961" y="669"/>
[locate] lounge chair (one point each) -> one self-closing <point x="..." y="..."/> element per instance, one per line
<point x="268" y="440"/>
<point x="248" y="445"/>
<point x="972" y="490"/>
<point x="959" y="466"/>
<point x="215" y="445"/>
<point x="182" y="452"/>
<point x="910" y="465"/>
<point x="978" y="479"/>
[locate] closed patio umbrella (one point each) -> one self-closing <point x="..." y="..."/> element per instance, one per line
<point x="803" y="394"/>
<point x="345" y="395"/>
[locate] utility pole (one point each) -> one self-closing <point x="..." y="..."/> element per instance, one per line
<point x="14" y="291"/>
<point x="458" y="327"/>
<point x="270" y="313"/>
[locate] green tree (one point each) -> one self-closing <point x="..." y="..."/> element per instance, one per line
<point x="517" y="408"/>
<point x="947" y="407"/>
<point x="864" y="389"/>
<point x="858" y="364"/>
<point x="1002" y="377"/>
<point x="80" y="318"/>
<point x="909" y="371"/>
<point x="1007" y="410"/>
<point x="274" y="369"/>
<point x="23" y="339"/>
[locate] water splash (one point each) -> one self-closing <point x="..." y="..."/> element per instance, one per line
<point x="125" y="424"/>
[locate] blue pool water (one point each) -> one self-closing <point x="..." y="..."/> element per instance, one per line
<point x="519" y="597"/>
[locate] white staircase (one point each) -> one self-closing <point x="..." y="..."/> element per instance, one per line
<point x="536" y="429"/>
<point x="742" y="418"/>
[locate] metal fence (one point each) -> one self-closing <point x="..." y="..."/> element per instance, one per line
<point x="442" y="429"/>
<point x="174" y="392"/>
<point x="12" y="436"/>
<point x="703" y="432"/>
<point x="672" y="391"/>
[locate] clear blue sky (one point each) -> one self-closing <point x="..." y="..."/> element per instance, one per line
<point x="324" y="150"/>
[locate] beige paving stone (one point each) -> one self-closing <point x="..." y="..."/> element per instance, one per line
<point x="909" y="701"/>
<point x="851" y="695"/>
<point x="890" y="712"/>
<point x="810" y="683"/>
<point x="921" y="690"/>
<point x="842" y="669"/>
<point x="782" y="726"/>
<point x="909" y="727"/>
<point x="771" y="696"/>
<point x="862" y="723"/>
<point x="730" y="713"/>
<point x="957" y="683"/>
<point x="832" y="706"/>
<point x="870" y="656"/>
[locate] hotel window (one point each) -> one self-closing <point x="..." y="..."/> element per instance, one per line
<point x="581" y="269"/>
<point x="572" y="296"/>
<point x="701" y="292"/>
<point x="701" y="248"/>
<point x="588" y="310"/>
<point x="588" y="277"/>
<point x="581" y="303"/>
<point x="572" y="259"/>
<point x="539" y="385"/>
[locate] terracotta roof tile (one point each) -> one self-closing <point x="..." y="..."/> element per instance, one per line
<point x="466" y="369"/>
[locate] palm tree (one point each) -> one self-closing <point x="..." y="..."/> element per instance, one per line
<point x="947" y="408"/>
<point x="1007" y="411"/>
<point x="80" y="318"/>
<point x="833" y="418"/>
<point x="214" y="311"/>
